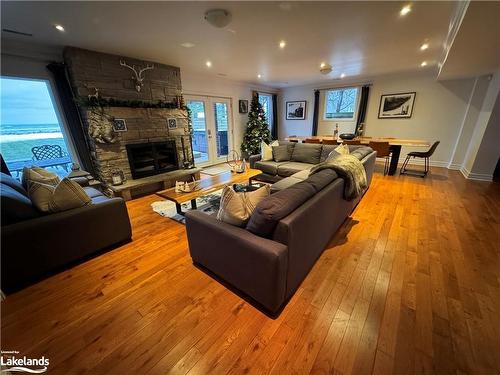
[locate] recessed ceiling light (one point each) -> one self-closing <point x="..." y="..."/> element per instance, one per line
<point x="282" y="44"/>
<point x="208" y="64"/>
<point x="259" y="75"/>
<point x="424" y="46"/>
<point x="424" y="63"/>
<point x="405" y="10"/>
<point x="187" y="45"/>
<point x="342" y="75"/>
<point x="59" y="27"/>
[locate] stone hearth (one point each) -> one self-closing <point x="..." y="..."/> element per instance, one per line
<point x="91" y="70"/>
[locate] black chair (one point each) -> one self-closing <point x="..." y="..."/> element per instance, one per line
<point x="47" y="152"/>
<point x="416" y="154"/>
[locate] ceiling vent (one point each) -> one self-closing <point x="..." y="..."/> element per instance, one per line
<point x="218" y="18"/>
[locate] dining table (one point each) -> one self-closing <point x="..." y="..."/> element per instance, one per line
<point x="395" y="145"/>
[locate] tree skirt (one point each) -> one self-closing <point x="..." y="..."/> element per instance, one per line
<point x="208" y="204"/>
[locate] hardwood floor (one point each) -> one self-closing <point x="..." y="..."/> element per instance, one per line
<point x="411" y="284"/>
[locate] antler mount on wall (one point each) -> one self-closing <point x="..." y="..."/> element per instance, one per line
<point x="138" y="76"/>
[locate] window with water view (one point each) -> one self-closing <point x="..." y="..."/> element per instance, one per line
<point x="30" y="132"/>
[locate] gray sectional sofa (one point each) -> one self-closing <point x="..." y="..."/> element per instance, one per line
<point x="302" y="156"/>
<point x="268" y="259"/>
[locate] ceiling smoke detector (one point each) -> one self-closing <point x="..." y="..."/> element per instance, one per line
<point x="218" y="17"/>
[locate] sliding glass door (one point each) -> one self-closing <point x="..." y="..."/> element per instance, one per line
<point x="212" y="124"/>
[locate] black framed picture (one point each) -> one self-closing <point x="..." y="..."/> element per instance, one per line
<point x="243" y="106"/>
<point x="296" y="110"/>
<point x="396" y="105"/>
<point x="119" y="125"/>
<point x="172" y="123"/>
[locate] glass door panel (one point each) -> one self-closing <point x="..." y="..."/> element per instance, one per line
<point x="200" y="131"/>
<point x="221" y="128"/>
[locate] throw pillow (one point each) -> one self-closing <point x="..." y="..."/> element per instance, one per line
<point x="343" y="149"/>
<point x="281" y="153"/>
<point x="236" y="208"/>
<point x="266" y="151"/>
<point x="39" y="175"/>
<point x="64" y="196"/>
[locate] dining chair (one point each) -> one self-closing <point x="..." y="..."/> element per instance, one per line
<point x="418" y="154"/>
<point x="351" y="142"/>
<point x="330" y="142"/>
<point x="312" y="140"/>
<point x="383" y="151"/>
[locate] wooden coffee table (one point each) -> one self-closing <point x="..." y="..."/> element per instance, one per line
<point x="207" y="186"/>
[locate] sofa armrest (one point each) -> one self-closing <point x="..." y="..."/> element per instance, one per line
<point x="255" y="265"/>
<point x="253" y="159"/>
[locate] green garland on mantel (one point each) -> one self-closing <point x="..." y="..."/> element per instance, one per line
<point x="94" y="102"/>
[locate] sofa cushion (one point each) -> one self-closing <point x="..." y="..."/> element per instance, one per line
<point x="306" y="153"/>
<point x="266" y="151"/>
<point x="39" y="175"/>
<point x="65" y="196"/>
<point x="360" y="151"/>
<point x="13" y="183"/>
<point x="285" y="183"/>
<point x="343" y="149"/>
<point x="272" y="209"/>
<point x="92" y="192"/>
<point x="282" y="153"/>
<point x="269" y="167"/>
<point x="16" y="206"/>
<point x="325" y="151"/>
<point x="319" y="180"/>
<point x="236" y="208"/>
<point x="288" y="168"/>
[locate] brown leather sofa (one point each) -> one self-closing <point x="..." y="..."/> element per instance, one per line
<point x="36" y="244"/>
<point x="286" y="234"/>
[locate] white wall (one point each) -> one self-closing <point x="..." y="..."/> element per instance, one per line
<point x="484" y="150"/>
<point x="469" y="122"/>
<point x="195" y="84"/>
<point x="438" y="113"/>
<point x="295" y="127"/>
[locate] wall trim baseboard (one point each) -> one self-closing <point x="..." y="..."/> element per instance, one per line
<point x="452" y="166"/>
<point x="476" y="176"/>
<point x="455" y="166"/>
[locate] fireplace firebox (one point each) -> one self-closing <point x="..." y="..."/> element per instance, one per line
<point x="147" y="159"/>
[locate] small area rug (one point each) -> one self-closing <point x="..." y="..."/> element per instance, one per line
<point x="208" y="204"/>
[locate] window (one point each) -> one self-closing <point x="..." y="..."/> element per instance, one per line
<point x="266" y="100"/>
<point x="340" y="104"/>
<point x="30" y="131"/>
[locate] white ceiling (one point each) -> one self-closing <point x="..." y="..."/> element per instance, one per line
<point x="360" y="39"/>
<point x="476" y="47"/>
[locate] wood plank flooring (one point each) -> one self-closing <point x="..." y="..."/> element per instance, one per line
<point x="409" y="285"/>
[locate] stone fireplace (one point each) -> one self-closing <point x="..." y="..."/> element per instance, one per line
<point x="94" y="73"/>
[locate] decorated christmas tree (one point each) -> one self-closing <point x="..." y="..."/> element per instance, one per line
<point x="257" y="129"/>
